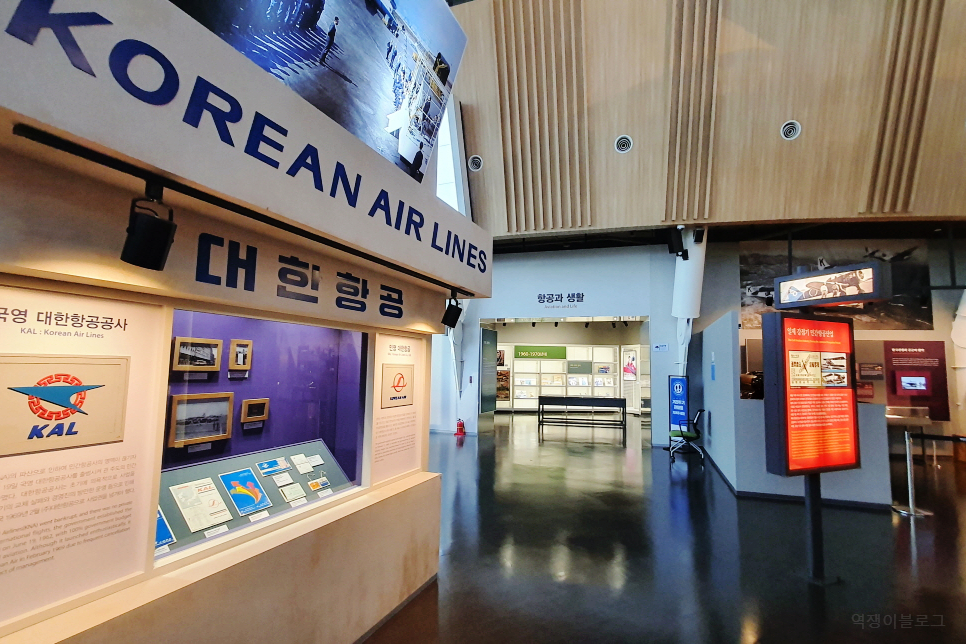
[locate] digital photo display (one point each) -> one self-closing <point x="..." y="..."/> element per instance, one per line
<point x="869" y="282"/>
<point x="382" y="69"/>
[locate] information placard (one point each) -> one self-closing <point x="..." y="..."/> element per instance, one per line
<point x="810" y="399"/>
<point x="678" y="395"/>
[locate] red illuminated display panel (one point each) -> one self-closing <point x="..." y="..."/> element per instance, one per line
<point x="822" y="432"/>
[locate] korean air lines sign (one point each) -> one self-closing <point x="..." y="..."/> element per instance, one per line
<point x="58" y="402"/>
<point x="145" y="79"/>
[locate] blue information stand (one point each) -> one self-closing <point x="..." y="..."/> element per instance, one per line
<point x="678" y="394"/>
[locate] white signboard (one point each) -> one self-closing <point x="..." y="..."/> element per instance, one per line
<point x="399" y="420"/>
<point x="145" y="79"/>
<point x="72" y="520"/>
<point x="211" y="261"/>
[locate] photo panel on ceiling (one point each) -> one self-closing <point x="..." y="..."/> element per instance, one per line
<point x="382" y="69"/>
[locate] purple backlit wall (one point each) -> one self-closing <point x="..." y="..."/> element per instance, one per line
<point x="313" y="377"/>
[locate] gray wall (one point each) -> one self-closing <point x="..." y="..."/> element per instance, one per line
<point x="869" y="484"/>
<point x="720" y="339"/>
<point x="635" y="281"/>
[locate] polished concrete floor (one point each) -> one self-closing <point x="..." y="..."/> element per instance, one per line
<point x="573" y="541"/>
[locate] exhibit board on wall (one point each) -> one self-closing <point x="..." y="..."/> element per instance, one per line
<point x="915" y="375"/>
<point x="83" y="394"/>
<point x="811" y="420"/>
<point x="398" y="409"/>
<point x="488" y="363"/>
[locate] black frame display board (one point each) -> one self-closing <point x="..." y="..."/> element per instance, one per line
<point x="778" y="389"/>
<point x="822" y="384"/>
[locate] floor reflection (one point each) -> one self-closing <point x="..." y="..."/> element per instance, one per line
<point x="573" y="540"/>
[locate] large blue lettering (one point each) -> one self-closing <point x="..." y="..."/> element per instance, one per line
<point x="203" y="264"/>
<point x="37" y="431"/>
<point x="414" y="221"/>
<point x="198" y="104"/>
<point x="382" y="203"/>
<point x="33" y="16"/>
<point x="256" y="136"/>
<point x="340" y="177"/>
<point x="120" y="60"/>
<point x="235" y="262"/>
<point x="309" y="159"/>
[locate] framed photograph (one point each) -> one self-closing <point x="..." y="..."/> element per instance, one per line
<point x="254" y="409"/>
<point x="200" y="418"/>
<point x="240" y="355"/>
<point x="196" y="354"/>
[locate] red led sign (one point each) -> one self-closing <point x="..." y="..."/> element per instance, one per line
<point x="821" y="430"/>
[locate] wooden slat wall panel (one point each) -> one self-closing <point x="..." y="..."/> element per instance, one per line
<point x="940" y="186"/>
<point x="543" y="108"/>
<point x="691" y="125"/>
<point x="626" y="49"/>
<point x="481" y="99"/>
<point x="909" y="67"/>
<point x="703" y="87"/>
<point x="819" y="62"/>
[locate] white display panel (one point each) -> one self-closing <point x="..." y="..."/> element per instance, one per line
<point x="78" y="518"/>
<point x="397" y="431"/>
<point x="553" y="366"/>
<point x="579" y="353"/>
<point x="605" y="354"/>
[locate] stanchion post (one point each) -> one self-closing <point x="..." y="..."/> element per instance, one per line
<point x="911" y="511"/>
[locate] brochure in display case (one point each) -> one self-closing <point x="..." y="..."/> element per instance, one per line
<point x="245" y="491"/>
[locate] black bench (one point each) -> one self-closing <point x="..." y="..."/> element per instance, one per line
<point x="562" y="417"/>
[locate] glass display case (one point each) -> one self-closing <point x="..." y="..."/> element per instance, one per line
<point x="275" y="424"/>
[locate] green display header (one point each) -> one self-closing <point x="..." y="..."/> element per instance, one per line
<point x="551" y="353"/>
<point x="580" y="366"/>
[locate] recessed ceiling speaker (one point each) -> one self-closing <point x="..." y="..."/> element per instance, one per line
<point x="791" y="130"/>
<point x="475" y="163"/>
<point x="623" y="144"/>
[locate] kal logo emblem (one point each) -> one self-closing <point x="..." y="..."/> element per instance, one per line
<point x="59" y="390"/>
<point x="398" y="383"/>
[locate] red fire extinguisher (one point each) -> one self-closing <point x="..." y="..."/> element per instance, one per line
<point x="460" y="428"/>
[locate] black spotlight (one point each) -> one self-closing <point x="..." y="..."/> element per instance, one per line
<point x="533" y="324"/>
<point x="555" y="324"/>
<point x="675" y="244"/>
<point x="614" y="324"/>
<point x="625" y="323"/>
<point x="149" y="235"/>
<point x="586" y="324"/>
<point x="453" y="312"/>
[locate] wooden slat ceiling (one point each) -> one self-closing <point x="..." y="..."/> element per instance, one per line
<point x="703" y="87"/>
